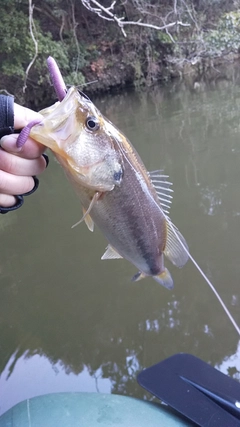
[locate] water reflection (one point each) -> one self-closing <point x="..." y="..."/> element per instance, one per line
<point x="25" y="374"/>
<point x="77" y="322"/>
<point x="231" y="365"/>
<point x="211" y="200"/>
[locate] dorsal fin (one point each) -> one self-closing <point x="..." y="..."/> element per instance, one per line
<point x="163" y="189"/>
<point x="176" y="246"/>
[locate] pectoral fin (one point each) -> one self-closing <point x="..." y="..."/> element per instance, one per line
<point x="86" y="217"/>
<point x="176" y="249"/>
<point x="88" y="220"/>
<point x="111" y="253"/>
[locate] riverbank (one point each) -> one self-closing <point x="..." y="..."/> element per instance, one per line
<point x="161" y="43"/>
<point x="119" y="75"/>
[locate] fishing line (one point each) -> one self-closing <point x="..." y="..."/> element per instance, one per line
<point x="205" y="277"/>
<point x="200" y="270"/>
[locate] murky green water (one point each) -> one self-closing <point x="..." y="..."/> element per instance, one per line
<point x="71" y="322"/>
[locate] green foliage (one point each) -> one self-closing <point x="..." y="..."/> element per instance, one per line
<point x="17" y="49"/>
<point x="164" y="37"/>
<point x="78" y="59"/>
<point x="48" y="47"/>
<point x="226" y="38"/>
<point x="74" y="78"/>
<point x="16" y="46"/>
<point x="138" y="72"/>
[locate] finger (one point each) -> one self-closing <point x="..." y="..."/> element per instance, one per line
<point x="7" y="201"/>
<point x="23" y="115"/>
<point x="12" y="184"/>
<point x="20" y="166"/>
<point x="30" y="150"/>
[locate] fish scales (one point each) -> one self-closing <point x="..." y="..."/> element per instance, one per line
<point x="133" y="223"/>
<point x="113" y="185"/>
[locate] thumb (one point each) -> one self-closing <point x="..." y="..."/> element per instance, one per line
<point x="23" y="115"/>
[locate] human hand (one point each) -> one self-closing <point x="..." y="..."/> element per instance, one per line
<point x="18" y="166"/>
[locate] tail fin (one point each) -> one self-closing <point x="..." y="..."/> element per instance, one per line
<point x="164" y="279"/>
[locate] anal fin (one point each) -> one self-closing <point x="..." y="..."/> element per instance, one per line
<point x="111" y="253"/>
<point x="138" y="276"/>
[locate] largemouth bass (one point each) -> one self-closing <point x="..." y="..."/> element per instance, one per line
<point x="128" y="204"/>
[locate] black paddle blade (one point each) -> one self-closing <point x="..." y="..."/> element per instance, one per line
<point x="195" y="389"/>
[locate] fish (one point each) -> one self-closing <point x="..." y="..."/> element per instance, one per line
<point x="129" y="204"/>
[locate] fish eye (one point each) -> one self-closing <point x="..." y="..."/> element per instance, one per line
<point x="92" y="123"/>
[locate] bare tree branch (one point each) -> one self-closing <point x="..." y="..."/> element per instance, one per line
<point x="108" y="14"/>
<point x="190" y="14"/>
<point x="31" y="29"/>
<point x="74" y="24"/>
<point x="175" y="7"/>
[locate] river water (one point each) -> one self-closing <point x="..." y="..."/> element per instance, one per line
<point x="71" y="322"/>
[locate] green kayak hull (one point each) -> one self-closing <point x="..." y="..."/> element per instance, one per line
<point x="88" y="410"/>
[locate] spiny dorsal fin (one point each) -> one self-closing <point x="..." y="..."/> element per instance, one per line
<point x="174" y="249"/>
<point x="111" y="253"/>
<point x="176" y="246"/>
<point x="163" y="188"/>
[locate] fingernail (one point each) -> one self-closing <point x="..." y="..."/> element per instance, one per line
<point x="46" y="159"/>
<point x="18" y="204"/>
<point x="36" y="184"/>
<point x="8" y="143"/>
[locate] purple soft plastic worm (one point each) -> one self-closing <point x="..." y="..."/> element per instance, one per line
<point x="57" y="80"/>
<point x="60" y="89"/>
<point x="24" y="134"/>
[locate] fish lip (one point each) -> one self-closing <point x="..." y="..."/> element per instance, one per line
<point x="84" y="95"/>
